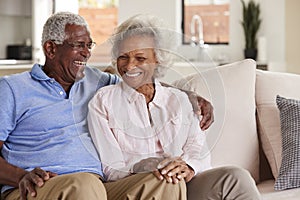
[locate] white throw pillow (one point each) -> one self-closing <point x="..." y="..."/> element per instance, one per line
<point x="232" y="139"/>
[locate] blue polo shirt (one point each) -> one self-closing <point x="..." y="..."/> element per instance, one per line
<point x="42" y="126"/>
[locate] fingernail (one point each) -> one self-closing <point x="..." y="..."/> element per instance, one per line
<point x="179" y="176"/>
<point x="170" y="174"/>
<point x="163" y="171"/>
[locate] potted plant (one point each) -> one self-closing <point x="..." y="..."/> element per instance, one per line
<point x="251" y="22"/>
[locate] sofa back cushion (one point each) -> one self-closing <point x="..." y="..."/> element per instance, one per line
<point x="268" y="86"/>
<point x="232" y="138"/>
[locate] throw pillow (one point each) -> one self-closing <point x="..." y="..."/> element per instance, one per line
<point x="289" y="172"/>
<point x="232" y="138"/>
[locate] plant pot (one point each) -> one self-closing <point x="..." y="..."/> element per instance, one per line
<point x="250" y="53"/>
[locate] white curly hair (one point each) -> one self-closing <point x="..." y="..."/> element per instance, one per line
<point x="147" y="25"/>
<point x="54" y="28"/>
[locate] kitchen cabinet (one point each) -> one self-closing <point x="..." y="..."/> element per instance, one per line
<point x="15" y="23"/>
<point x="15" y="7"/>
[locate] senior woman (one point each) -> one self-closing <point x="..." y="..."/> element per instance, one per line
<point x="139" y="126"/>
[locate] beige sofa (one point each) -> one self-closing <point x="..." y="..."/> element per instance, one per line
<point x="246" y="131"/>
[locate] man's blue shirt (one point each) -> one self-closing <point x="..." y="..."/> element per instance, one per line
<point x="42" y="126"/>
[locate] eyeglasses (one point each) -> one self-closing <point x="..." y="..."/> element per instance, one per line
<point x="80" y="46"/>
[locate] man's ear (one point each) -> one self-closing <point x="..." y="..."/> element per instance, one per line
<point x="49" y="49"/>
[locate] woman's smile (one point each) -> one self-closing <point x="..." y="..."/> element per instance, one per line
<point x="130" y="74"/>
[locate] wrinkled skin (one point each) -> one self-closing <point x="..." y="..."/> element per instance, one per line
<point x="174" y="170"/>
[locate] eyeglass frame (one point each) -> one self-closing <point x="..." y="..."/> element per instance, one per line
<point x="77" y="45"/>
<point x="81" y="45"/>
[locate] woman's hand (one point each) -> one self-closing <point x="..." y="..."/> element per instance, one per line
<point x="174" y="170"/>
<point x="35" y="177"/>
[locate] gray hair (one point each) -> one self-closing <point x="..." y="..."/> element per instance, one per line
<point x="54" y="28"/>
<point x="147" y="25"/>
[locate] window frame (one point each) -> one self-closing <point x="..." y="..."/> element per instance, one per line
<point x="186" y="36"/>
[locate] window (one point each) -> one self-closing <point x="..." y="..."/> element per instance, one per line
<point x="102" y="17"/>
<point x="211" y="15"/>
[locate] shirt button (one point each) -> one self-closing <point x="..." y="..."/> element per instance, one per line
<point x="61" y="92"/>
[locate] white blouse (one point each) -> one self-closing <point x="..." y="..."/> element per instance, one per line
<point x="125" y="132"/>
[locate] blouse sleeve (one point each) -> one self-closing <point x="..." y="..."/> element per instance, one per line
<point x="196" y="153"/>
<point x="110" y="153"/>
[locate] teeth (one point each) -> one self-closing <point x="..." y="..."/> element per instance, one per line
<point x="133" y="74"/>
<point x="80" y="63"/>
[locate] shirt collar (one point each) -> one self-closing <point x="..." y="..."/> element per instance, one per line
<point x="132" y="95"/>
<point x="129" y="92"/>
<point x="38" y="73"/>
<point x="161" y="95"/>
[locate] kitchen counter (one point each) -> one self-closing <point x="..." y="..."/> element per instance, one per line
<point x="24" y="66"/>
<point x="14" y="62"/>
<point x="11" y="64"/>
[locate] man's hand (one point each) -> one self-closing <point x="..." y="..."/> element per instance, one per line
<point x="35" y="177"/>
<point x="203" y="108"/>
<point x="146" y="165"/>
<point x="174" y="170"/>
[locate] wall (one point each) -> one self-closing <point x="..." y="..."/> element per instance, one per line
<point x="272" y="28"/>
<point x="292" y="35"/>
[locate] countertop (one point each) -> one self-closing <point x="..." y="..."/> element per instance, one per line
<point x="15" y="64"/>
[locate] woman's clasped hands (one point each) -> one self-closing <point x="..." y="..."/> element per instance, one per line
<point x="172" y="169"/>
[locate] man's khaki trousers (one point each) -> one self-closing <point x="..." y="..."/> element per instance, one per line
<point x="86" y="186"/>
<point x="224" y="183"/>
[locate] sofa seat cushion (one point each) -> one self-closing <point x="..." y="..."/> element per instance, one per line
<point x="232" y="138"/>
<point x="268" y="86"/>
<point x="267" y="191"/>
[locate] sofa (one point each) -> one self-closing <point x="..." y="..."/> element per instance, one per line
<point x="246" y="131"/>
<point x="247" y="127"/>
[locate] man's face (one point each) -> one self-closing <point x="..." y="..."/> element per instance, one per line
<point x="72" y="55"/>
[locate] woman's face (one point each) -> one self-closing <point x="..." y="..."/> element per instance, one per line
<point x="136" y="61"/>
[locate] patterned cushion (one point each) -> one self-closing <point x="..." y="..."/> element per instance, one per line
<point x="289" y="173"/>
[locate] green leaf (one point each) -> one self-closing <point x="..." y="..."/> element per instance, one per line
<point x="251" y="23"/>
